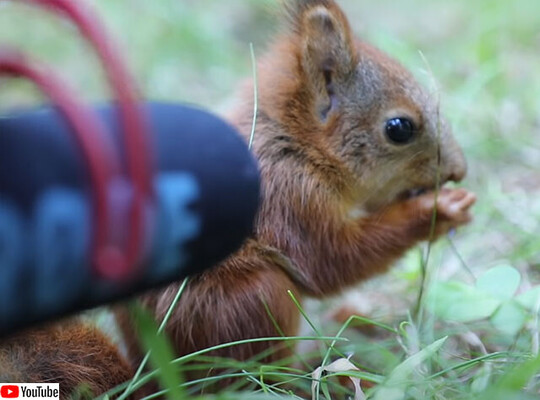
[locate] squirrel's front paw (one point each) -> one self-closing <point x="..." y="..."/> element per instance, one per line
<point x="452" y="210"/>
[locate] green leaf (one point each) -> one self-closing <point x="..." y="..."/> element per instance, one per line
<point x="512" y="383"/>
<point x="482" y="379"/>
<point x="456" y="301"/>
<point x="530" y="299"/>
<point x="161" y="353"/>
<point x="509" y="318"/>
<point x="397" y="382"/>
<point x="501" y="282"/>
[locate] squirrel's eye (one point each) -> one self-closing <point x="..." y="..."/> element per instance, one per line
<point x="400" y="130"/>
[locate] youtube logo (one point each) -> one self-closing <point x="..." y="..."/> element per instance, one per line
<point x="36" y="391"/>
<point x="9" y="392"/>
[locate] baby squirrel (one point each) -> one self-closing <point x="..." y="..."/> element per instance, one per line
<point x="350" y="149"/>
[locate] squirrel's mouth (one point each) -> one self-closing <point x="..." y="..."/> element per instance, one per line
<point x="405" y="195"/>
<point x="416" y="192"/>
<point x="410" y="193"/>
<point x="419" y="191"/>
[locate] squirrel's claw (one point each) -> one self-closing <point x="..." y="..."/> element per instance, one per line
<point x="454" y="205"/>
<point x="452" y="210"/>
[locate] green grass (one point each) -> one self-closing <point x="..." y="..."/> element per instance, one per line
<point x="485" y="57"/>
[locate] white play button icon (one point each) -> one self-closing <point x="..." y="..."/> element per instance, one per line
<point x="9" y="392"/>
<point x="38" y="391"/>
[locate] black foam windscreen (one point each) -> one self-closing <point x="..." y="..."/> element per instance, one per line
<point x="206" y="195"/>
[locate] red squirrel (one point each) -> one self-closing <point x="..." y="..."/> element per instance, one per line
<point x="351" y="150"/>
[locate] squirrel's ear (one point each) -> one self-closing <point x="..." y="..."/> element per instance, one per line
<point x="327" y="50"/>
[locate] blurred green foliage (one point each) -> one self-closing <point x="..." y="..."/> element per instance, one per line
<point x="179" y="50"/>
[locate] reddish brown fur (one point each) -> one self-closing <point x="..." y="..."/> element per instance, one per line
<point x="72" y="354"/>
<point x="332" y="212"/>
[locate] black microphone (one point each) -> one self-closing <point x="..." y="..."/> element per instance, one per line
<point x="206" y="195"/>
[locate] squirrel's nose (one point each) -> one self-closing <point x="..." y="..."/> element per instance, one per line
<point x="454" y="164"/>
<point x="458" y="172"/>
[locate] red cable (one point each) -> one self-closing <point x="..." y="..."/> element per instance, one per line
<point x="96" y="145"/>
<point x="139" y="163"/>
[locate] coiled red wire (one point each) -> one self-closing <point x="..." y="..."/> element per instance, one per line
<point x="115" y="261"/>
